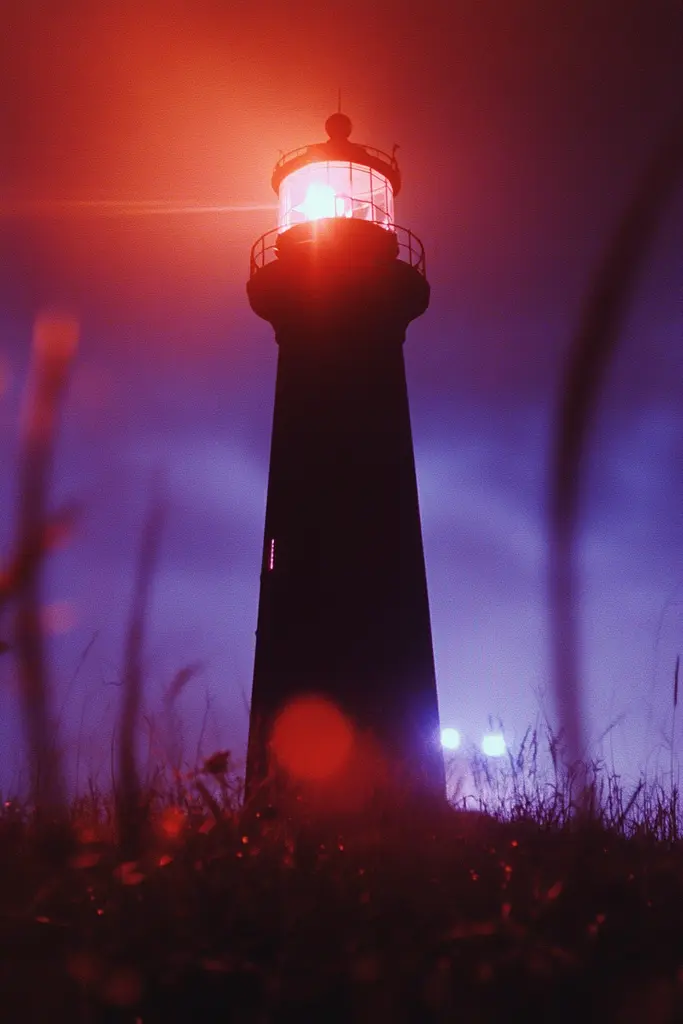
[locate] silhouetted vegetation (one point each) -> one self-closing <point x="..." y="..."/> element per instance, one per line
<point x="510" y="907"/>
<point x="590" y="355"/>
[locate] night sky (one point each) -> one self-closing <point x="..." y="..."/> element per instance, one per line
<point x="523" y="127"/>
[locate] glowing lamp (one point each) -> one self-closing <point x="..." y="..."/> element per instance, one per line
<point x="493" y="745"/>
<point x="320" y="201"/>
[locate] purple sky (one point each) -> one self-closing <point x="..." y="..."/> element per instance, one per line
<point x="523" y="127"/>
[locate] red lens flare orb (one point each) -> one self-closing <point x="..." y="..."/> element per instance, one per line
<point x="311" y="739"/>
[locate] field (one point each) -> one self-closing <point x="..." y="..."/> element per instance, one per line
<point x="519" y="909"/>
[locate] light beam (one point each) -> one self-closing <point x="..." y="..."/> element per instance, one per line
<point x="120" y="207"/>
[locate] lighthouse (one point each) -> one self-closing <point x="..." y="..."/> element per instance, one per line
<point x="344" y="662"/>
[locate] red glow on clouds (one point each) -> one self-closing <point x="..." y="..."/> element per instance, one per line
<point x="130" y="116"/>
<point x="312" y="739"/>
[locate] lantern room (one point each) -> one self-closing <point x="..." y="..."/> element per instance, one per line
<point x="335" y="189"/>
<point x="336" y="179"/>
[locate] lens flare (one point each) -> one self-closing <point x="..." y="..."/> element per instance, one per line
<point x="312" y="739"/>
<point x="121" y="207"/>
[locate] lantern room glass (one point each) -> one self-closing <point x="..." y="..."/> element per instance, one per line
<point x="335" y="189"/>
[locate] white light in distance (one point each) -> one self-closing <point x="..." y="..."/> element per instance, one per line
<point x="493" y="745"/>
<point x="450" y="739"/>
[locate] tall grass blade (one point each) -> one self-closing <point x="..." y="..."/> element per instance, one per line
<point x="129" y="802"/>
<point x="54" y="343"/>
<point x="592" y="349"/>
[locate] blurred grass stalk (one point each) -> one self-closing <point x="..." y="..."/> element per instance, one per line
<point x="55" y="339"/>
<point x="131" y="813"/>
<point x="591" y="352"/>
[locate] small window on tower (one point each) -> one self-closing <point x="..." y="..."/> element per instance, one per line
<point x="271" y="555"/>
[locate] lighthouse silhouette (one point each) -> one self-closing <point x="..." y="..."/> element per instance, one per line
<point x="344" y="661"/>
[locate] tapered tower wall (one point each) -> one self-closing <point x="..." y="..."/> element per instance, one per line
<point x="343" y="609"/>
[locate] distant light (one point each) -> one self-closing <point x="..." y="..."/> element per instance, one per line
<point x="493" y="745"/>
<point x="450" y="739"/>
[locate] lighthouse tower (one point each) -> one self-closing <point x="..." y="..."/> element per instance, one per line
<point x="344" y="660"/>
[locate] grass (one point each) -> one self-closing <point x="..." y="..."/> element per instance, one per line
<point x="513" y="907"/>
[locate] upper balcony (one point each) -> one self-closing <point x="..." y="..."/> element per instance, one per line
<point x="402" y="244"/>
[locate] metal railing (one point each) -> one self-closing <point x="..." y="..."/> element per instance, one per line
<point x="386" y="158"/>
<point x="410" y="249"/>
